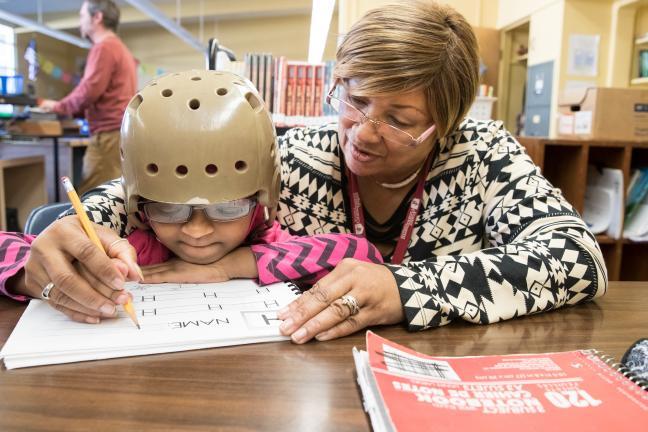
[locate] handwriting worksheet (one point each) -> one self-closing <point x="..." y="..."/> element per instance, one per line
<point x="172" y="317"/>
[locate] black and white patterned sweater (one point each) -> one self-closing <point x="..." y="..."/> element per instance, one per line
<point x="494" y="240"/>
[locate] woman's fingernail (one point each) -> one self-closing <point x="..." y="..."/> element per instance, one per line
<point x="282" y="311"/>
<point x="299" y="335"/>
<point x="108" y="309"/>
<point x="323" y="336"/>
<point x="92" y="320"/>
<point x="118" y="284"/>
<point x="286" y="325"/>
<point x="122" y="299"/>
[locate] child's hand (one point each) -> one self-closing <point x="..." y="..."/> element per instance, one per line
<point x="178" y="271"/>
<point x="239" y="263"/>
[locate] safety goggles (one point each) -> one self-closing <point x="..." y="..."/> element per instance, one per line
<point x="181" y="213"/>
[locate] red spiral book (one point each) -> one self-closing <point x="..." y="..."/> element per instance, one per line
<point x="404" y="390"/>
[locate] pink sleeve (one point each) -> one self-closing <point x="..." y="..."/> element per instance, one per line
<point x="14" y="252"/>
<point x="308" y="259"/>
<point x="98" y="70"/>
<point x="148" y="248"/>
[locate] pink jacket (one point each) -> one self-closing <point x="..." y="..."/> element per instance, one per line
<point x="279" y="256"/>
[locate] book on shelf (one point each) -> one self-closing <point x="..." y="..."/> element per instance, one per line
<point x="172" y="317"/>
<point x="576" y="390"/>
<point x="636" y="211"/>
<point x="294" y="91"/>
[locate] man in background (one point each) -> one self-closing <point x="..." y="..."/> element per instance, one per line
<point x="108" y="83"/>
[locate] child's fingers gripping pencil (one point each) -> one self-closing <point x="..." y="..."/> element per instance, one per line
<point x="87" y="227"/>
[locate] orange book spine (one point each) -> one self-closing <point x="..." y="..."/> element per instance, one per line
<point x="318" y="92"/>
<point x="291" y="89"/>
<point x="300" y="90"/>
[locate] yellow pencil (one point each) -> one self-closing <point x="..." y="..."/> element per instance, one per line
<point x="87" y="226"/>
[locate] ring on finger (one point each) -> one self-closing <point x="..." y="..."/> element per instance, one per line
<point x="45" y="295"/>
<point x="352" y="303"/>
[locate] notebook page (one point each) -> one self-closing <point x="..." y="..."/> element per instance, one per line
<point x="173" y="317"/>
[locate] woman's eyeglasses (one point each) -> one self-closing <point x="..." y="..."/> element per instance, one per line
<point x="181" y="213"/>
<point x="387" y="131"/>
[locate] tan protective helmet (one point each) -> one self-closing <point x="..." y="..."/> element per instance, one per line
<point x="199" y="137"/>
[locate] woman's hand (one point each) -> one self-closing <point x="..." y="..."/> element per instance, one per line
<point x="239" y="263"/>
<point x="87" y="283"/>
<point x="321" y="313"/>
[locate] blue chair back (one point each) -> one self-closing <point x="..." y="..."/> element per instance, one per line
<point x="42" y="216"/>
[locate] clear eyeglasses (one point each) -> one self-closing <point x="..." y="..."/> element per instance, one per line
<point x="387" y="131"/>
<point x="181" y="213"/>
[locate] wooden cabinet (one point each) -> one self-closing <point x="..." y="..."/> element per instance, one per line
<point x="564" y="163"/>
<point x="513" y="75"/>
<point x="22" y="187"/>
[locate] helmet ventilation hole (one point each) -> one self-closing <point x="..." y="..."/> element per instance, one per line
<point x="240" y="166"/>
<point x="196" y="78"/>
<point x="221" y="91"/>
<point x="194" y="104"/>
<point x="181" y="170"/>
<point x="153" y="84"/>
<point x="167" y="92"/>
<point x="211" y="170"/>
<point x="152" y="169"/>
<point x="254" y="101"/>
<point x="135" y="102"/>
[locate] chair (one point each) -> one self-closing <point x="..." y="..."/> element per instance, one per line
<point x="40" y="217"/>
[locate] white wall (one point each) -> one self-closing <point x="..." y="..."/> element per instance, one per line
<point x="513" y="11"/>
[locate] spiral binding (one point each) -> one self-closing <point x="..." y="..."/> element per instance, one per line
<point x="621" y="368"/>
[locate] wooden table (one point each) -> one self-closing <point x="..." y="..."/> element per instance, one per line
<point x="280" y="386"/>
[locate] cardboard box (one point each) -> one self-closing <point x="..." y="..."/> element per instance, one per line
<point x="619" y="114"/>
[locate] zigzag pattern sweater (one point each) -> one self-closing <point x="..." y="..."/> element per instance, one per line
<point x="494" y="239"/>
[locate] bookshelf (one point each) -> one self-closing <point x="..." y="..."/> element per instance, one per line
<point x="564" y="163"/>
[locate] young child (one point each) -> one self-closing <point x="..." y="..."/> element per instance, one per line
<point x="201" y="178"/>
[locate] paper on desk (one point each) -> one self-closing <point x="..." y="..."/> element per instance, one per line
<point x="173" y="317"/>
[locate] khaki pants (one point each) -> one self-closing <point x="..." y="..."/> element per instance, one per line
<point x="101" y="161"/>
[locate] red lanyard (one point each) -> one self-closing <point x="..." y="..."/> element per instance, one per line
<point x="357" y="215"/>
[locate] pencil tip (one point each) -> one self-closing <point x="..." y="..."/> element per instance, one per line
<point x="138" y="327"/>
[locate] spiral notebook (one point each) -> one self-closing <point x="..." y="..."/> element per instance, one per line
<point x="172" y="317"/>
<point x="404" y="390"/>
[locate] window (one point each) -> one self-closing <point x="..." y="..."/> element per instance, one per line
<point x="7" y="50"/>
<point x="7" y="61"/>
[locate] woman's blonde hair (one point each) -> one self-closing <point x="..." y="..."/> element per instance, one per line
<point x="415" y="44"/>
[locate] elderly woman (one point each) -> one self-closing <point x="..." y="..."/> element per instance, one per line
<point x="467" y="224"/>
